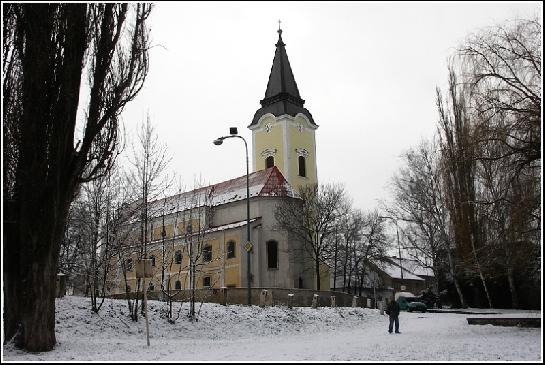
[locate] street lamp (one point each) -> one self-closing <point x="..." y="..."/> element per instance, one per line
<point x="234" y="134"/>
<point x="398" y="245"/>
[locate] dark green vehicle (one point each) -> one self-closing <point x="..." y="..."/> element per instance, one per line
<point x="415" y="305"/>
<point x="411" y="304"/>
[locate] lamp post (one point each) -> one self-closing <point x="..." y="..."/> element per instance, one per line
<point x="398" y="245"/>
<point x="248" y="246"/>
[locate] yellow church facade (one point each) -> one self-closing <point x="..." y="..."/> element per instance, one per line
<point x="217" y="253"/>
<point x="215" y="240"/>
<point x="288" y="143"/>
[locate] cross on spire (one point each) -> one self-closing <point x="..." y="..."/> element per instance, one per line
<point x="279" y="29"/>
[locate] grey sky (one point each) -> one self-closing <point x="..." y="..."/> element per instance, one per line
<point x="367" y="72"/>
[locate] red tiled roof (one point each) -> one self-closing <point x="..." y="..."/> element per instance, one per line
<point x="268" y="182"/>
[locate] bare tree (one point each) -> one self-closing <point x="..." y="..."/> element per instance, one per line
<point x="502" y="67"/>
<point x="169" y="258"/>
<point x="149" y="180"/>
<point x="47" y="50"/>
<point x="507" y="202"/>
<point x="95" y="202"/>
<point x="372" y="247"/>
<point x="72" y="260"/>
<point x="458" y="153"/>
<point x="312" y="220"/>
<point x="95" y="235"/>
<point x="419" y="203"/>
<point x="350" y="225"/>
<point x="197" y="221"/>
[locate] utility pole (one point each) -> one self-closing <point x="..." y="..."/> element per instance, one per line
<point x="189" y="231"/>
<point x="398" y="245"/>
<point x="335" y="263"/>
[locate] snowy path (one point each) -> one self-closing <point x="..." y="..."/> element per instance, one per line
<point x="252" y="334"/>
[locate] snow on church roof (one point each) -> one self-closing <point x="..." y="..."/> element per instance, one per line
<point x="268" y="182"/>
<point x="394" y="271"/>
<point x="220" y="228"/>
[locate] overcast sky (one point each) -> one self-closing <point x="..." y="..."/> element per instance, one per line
<point x="367" y="71"/>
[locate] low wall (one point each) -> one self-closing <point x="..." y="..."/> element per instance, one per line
<point x="301" y="297"/>
<point x="504" y="321"/>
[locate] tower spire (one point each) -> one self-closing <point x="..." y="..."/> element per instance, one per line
<point x="282" y="95"/>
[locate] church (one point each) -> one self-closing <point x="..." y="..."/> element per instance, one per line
<point x="207" y="227"/>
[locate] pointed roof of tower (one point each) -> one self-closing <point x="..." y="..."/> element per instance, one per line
<point x="281" y="79"/>
<point x="282" y="95"/>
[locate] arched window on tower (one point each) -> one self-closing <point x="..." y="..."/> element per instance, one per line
<point x="302" y="167"/>
<point x="269" y="162"/>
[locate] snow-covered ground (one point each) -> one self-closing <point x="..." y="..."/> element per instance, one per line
<point x="231" y="333"/>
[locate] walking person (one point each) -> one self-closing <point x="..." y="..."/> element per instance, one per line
<point x="392" y="310"/>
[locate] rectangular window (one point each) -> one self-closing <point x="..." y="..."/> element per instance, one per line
<point x="272" y="255"/>
<point x="178" y="257"/>
<point x="206" y="281"/>
<point x="230" y="249"/>
<point x="207" y="253"/>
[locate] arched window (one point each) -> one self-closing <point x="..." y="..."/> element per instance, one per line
<point x="152" y="260"/>
<point x="151" y="287"/>
<point x="272" y="255"/>
<point x="178" y="285"/>
<point x="302" y="167"/>
<point x="231" y="249"/>
<point x="178" y="257"/>
<point x="207" y="253"/>
<point x="129" y="264"/>
<point x="269" y="162"/>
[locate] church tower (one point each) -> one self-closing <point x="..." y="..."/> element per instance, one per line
<point x="282" y="129"/>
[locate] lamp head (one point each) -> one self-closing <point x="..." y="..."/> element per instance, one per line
<point x="218" y="141"/>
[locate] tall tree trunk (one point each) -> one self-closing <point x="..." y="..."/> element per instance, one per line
<point x="44" y="185"/>
<point x="455" y="279"/>
<point x="335" y="263"/>
<point x="31" y="271"/>
<point x="512" y="287"/>
<point x="480" y="271"/>
<point x="510" y="271"/>
<point x="51" y="41"/>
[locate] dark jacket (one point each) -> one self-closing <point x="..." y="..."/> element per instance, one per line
<point x="393" y="309"/>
